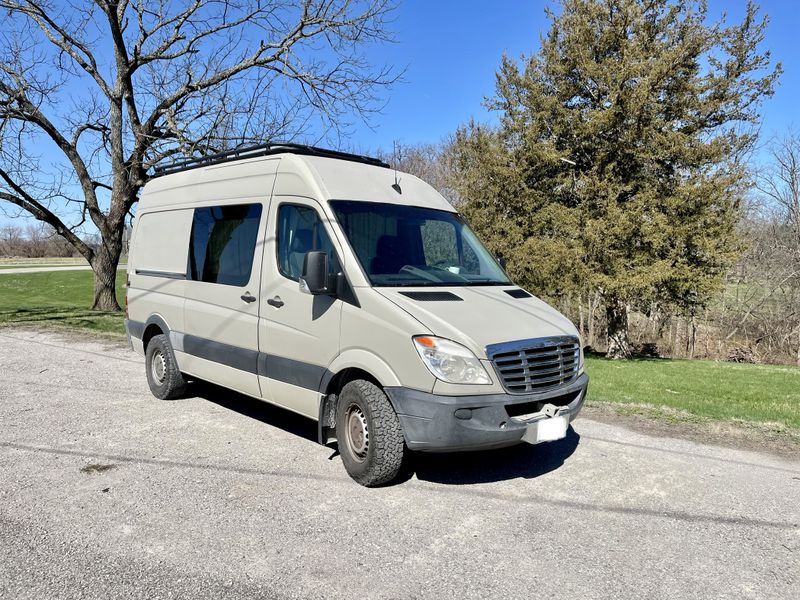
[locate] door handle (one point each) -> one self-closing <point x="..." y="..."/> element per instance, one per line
<point x="248" y="298"/>
<point x="276" y="302"/>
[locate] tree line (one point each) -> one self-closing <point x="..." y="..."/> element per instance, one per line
<point x="42" y="241"/>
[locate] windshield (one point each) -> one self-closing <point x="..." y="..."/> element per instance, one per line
<point x="410" y="246"/>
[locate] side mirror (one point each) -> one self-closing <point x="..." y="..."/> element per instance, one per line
<point x="315" y="273"/>
<point x="502" y="262"/>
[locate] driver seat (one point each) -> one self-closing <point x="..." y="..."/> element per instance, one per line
<point x="388" y="258"/>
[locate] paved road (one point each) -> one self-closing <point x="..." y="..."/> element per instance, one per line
<point x="106" y="492"/>
<point x="48" y="268"/>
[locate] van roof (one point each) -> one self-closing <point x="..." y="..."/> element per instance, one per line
<point x="261" y="150"/>
<point x="301" y="171"/>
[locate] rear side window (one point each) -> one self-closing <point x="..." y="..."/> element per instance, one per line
<point x="223" y="243"/>
<point x="300" y="231"/>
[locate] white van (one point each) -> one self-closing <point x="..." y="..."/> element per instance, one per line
<point x="329" y="284"/>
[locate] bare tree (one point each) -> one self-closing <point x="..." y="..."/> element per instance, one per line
<point x="116" y="87"/>
<point x="431" y="162"/>
<point x="779" y="182"/>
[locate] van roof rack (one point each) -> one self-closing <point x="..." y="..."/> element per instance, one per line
<point x="261" y="150"/>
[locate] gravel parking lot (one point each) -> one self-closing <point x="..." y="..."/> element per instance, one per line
<point x="106" y="492"/>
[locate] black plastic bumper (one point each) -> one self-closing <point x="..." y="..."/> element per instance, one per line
<point x="430" y="422"/>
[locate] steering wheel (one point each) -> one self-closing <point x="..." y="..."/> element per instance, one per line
<point x="443" y="264"/>
<point x="412" y="270"/>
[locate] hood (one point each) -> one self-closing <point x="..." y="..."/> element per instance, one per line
<point x="484" y="315"/>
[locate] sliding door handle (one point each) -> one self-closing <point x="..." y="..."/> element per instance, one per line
<point x="276" y="302"/>
<point x="248" y="298"/>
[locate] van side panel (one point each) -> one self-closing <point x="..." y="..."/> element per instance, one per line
<point x="157" y="267"/>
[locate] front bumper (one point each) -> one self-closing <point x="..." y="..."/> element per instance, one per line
<point x="437" y="423"/>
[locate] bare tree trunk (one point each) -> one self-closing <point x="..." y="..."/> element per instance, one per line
<point x="104" y="266"/>
<point x="688" y="343"/>
<point x="619" y="345"/>
<point x="798" y="345"/>
<point x="673" y="336"/>
<point x="593" y="304"/>
<point x="580" y="316"/>
<point x="106" y="259"/>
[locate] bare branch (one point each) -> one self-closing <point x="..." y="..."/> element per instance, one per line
<point x="174" y="78"/>
<point x="22" y="199"/>
<point x="60" y="37"/>
<point x="26" y="111"/>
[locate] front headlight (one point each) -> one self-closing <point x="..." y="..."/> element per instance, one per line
<point x="449" y="361"/>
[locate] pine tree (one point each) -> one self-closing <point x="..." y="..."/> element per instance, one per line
<point x="617" y="164"/>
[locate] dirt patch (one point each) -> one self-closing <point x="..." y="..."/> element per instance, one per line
<point x="92" y="468"/>
<point x="662" y="422"/>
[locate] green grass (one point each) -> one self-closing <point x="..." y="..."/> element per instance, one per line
<point x="700" y="389"/>
<point x="59" y="299"/>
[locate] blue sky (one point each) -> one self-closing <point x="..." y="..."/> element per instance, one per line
<point x="451" y="51"/>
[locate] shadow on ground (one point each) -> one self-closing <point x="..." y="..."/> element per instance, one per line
<point x="66" y="317"/>
<point x="458" y="468"/>
<point x="255" y="409"/>
<point x="521" y="461"/>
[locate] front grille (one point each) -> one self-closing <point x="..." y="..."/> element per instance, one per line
<point x="536" y="365"/>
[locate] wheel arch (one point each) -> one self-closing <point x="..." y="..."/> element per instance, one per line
<point x="155" y="325"/>
<point x="349" y="366"/>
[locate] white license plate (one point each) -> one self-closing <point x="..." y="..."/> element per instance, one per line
<point x="546" y="430"/>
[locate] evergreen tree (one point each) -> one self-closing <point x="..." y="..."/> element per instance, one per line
<point x="617" y="164"/>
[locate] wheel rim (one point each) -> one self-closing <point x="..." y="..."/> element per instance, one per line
<point x="357" y="433"/>
<point x="158" y="367"/>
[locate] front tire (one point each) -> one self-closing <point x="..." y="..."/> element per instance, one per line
<point x="369" y="434"/>
<point x="165" y="379"/>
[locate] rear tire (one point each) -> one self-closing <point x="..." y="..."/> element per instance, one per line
<point x="165" y="379"/>
<point x="369" y="434"/>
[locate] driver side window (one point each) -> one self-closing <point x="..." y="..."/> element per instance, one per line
<point x="300" y="230"/>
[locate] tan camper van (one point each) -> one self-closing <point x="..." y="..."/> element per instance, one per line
<point x="330" y="285"/>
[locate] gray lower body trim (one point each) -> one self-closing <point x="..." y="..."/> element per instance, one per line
<point x="429" y="421"/>
<point x="225" y="354"/>
<point x="287" y="370"/>
<point x="129" y="335"/>
<point x="134" y="328"/>
<point x="294" y="372"/>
